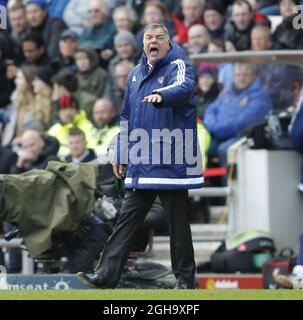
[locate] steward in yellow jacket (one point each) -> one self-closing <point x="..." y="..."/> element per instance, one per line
<point x="106" y="126"/>
<point x="204" y="141"/>
<point x="69" y="117"/>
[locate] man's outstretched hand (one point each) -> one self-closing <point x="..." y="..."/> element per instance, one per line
<point x="153" y="98"/>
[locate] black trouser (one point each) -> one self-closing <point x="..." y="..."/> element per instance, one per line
<point x="134" y="209"/>
<point x="155" y="221"/>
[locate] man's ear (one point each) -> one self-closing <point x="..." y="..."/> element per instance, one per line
<point x="43" y="142"/>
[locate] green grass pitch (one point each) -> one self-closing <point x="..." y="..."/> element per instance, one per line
<point x="132" y="294"/>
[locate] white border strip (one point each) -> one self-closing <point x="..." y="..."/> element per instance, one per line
<point x="168" y="181"/>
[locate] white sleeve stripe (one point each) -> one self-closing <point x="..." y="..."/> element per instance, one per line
<point x="180" y="76"/>
<point x="179" y="73"/>
<point x="182" y="73"/>
<point x="179" y="79"/>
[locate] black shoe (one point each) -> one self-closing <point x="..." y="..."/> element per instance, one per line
<point x="95" y="281"/>
<point x="183" y="285"/>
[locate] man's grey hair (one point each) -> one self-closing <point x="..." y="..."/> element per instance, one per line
<point x="102" y="5"/>
<point x="158" y="26"/>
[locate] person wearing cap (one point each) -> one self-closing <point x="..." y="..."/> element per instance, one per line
<point x="286" y="37"/>
<point x="208" y="86"/>
<point x="49" y="28"/>
<point x="67" y="45"/>
<point x="69" y="116"/>
<point x="92" y="78"/>
<point x="214" y="18"/>
<point x="126" y="49"/>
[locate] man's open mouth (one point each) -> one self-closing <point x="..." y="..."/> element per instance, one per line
<point x="153" y="49"/>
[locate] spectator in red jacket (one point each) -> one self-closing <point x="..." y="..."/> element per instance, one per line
<point x="192" y="14"/>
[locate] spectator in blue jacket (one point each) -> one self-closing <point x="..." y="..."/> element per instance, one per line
<point x="237" y="108"/>
<point x="159" y="95"/>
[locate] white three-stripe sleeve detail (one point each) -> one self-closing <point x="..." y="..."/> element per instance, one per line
<point x="180" y="76"/>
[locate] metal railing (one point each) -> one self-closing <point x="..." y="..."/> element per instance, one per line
<point x="210" y="192"/>
<point x="27" y="262"/>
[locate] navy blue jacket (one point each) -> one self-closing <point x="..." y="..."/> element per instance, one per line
<point x="296" y="134"/>
<point x="174" y="79"/>
<point x="296" y="128"/>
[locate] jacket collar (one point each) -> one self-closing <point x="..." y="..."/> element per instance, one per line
<point x="174" y="52"/>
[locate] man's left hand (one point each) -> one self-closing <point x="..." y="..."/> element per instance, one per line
<point x="153" y="98"/>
